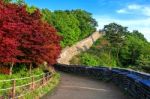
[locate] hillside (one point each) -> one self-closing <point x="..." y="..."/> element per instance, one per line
<point x="123" y="49"/>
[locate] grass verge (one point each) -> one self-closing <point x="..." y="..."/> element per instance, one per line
<point x="48" y="88"/>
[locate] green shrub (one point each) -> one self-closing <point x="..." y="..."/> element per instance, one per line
<point x="89" y="59"/>
<point x="97" y="60"/>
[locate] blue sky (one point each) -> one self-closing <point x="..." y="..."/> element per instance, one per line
<point x="135" y="14"/>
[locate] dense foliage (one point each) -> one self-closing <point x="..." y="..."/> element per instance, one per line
<point x="135" y="52"/>
<point x="72" y="25"/>
<point x="119" y="48"/>
<point x="98" y="55"/>
<point x="25" y="38"/>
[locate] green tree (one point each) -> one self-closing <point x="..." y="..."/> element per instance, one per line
<point x="67" y="26"/>
<point x="87" y="23"/>
<point x="20" y="2"/>
<point x="7" y="1"/>
<point x="72" y="25"/>
<point x="115" y="34"/>
<point x="135" y="51"/>
<point x="47" y="16"/>
<point x="144" y="58"/>
<point x="139" y="35"/>
<point x="30" y="9"/>
<point x="131" y="50"/>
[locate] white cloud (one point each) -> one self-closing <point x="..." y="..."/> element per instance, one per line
<point x="146" y="11"/>
<point x="142" y="25"/>
<point x="135" y="9"/>
<point x="121" y="11"/>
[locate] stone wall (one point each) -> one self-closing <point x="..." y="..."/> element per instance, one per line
<point x="68" y="53"/>
<point x="135" y="84"/>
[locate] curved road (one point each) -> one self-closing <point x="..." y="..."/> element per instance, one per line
<point x="78" y="87"/>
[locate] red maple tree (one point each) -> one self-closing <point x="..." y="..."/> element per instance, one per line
<point x="24" y="37"/>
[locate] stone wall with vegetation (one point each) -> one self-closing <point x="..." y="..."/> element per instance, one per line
<point x="67" y="53"/>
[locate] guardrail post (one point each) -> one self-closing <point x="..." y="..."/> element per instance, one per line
<point x="46" y="76"/>
<point x="43" y="80"/>
<point x="13" y="89"/>
<point x="33" y="83"/>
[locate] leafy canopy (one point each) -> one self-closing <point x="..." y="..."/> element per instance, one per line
<point x="24" y="37"/>
<point x="73" y="25"/>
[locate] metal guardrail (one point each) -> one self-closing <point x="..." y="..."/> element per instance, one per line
<point x="136" y="84"/>
<point x="17" y="91"/>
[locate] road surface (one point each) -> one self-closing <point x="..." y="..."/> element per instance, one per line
<point x="79" y="87"/>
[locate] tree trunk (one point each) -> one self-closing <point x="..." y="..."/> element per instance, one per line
<point x="11" y="67"/>
<point x="30" y="69"/>
<point x="110" y="53"/>
<point x="52" y="69"/>
<point x="118" y="54"/>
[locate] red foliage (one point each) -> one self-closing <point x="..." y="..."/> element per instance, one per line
<point x="25" y="37"/>
<point x="4" y="70"/>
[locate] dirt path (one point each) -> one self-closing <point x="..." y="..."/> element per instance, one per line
<point x="77" y="87"/>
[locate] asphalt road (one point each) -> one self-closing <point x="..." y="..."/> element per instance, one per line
<point x="78" y="87"/>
